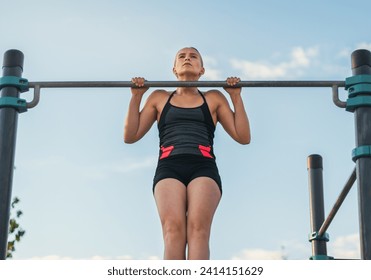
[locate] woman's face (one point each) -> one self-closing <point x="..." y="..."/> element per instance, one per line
<point x="188" y="61"/>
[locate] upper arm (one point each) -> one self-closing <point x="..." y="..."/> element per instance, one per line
<point x="147" y="116"/>
<point x="225" y="115"/>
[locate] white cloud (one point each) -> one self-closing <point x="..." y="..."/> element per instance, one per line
<point x="300" y="58"/>
<point x="96" y="257"/>
<point x="154" y="258"/>
<point x="345" y="247"/>
<point x="258" y="254"/>
<point x="364" y="45"/>
<point x="211" y="73"/>
<point x="346" y="52"/>
<point x="51" y="257"/>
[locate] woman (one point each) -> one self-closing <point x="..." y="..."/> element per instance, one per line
<point x="187" y="186"/>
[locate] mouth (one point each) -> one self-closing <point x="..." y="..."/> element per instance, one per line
<point x="187" y="63"/>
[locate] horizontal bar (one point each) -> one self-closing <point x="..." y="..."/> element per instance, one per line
<point x="118" y="84"/>
<point x="348" y="185"/>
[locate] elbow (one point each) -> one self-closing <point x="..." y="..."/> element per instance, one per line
<point x="245" y="141"/>
<point x="128" y="139"/>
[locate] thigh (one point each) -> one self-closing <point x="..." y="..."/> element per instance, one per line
<point x="171" y="199"/>
<point x="203" y="195"/>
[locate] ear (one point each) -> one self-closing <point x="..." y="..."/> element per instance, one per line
<point x="175" y="73"/>
<point x="202" y="71"/>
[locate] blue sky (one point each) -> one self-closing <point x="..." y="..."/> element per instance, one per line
<point x="85" y="194"/>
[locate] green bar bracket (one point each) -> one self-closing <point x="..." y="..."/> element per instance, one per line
<point x="321" y="257"/>
<point x="13" y="102"/>
<point x="12" y="81"/>
<point x="361" y="151"/>
<point x="357" y="89"/>
<point x="358" y="101"/>
<point x="357" y="79"/>
<point x="325" y="237"/>
<point x="314" y="236"/>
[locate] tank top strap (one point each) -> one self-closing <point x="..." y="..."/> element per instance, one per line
<point x="165" y="109"/>
<point x="171" y="96"/>
<point x="202" y="95"/>
<point x="206" y="111"/>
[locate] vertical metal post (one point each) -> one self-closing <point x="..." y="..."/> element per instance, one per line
<point x="361" y="65"/>
<point x="317" y="208"/>
<point x="12" y="66"/>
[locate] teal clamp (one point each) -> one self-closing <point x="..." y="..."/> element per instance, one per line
<point x="12" y="81"/>
<point x="321" y="257"/>
<point x="359" y="92"/>
<point x="358" y="101"/>
<point x="13" y="102"/>
<point x="314" y="236"/>
<point x="357" y="89"/>
<point x="357" y="79"/>
<point x="325" y="237"/>
<point x="361" y="151"/>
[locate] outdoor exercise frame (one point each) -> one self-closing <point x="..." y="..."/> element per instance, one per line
<point x="358" y="102"/>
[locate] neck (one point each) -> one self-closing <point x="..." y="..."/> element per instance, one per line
<point x="188" y="76"/>
<point x="187" y="90"/>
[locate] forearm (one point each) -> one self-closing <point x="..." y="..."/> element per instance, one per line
<point x="132" y="119"/>
<point x="241" y="120"/>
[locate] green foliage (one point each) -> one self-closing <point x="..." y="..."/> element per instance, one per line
<point x="15" y="231"/>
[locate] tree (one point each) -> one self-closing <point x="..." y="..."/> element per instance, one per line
<point x="15" y="231"/>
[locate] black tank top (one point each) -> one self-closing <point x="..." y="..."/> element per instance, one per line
<point x="186" y="130"/>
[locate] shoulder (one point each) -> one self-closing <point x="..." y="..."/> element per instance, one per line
<point x="157" y="99"/>
<point x="214" y="96"/>
<point x="158" y="96"/>
<point x="213" y="93"/>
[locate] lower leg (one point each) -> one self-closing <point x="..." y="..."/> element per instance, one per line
<point x="198" y="244"/>
<point x="175" y="243"/>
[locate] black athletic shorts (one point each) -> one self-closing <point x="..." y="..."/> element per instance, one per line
<point x="185" y="168"/>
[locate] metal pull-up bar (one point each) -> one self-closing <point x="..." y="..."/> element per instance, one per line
<point x="24" y="85"/>
<point x="163" y="84"/>
<point x="108" y="84"/>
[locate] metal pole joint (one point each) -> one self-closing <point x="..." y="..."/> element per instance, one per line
<point x="13" y="102"/>
<point x="315" y="236"/>
<point x="12" y="81"/>
<point x="361" y="151"/>
<point x="321" y="257"/>
<point x="359" y="91"/>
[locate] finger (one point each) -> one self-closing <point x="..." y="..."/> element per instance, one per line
<point x="231" y="81"/>
<point x="138" y="81"/>
<point x="236" y="80"/>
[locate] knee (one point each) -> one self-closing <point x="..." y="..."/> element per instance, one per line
<point x="198" y="231"/>
<point x="173" y="231"/>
